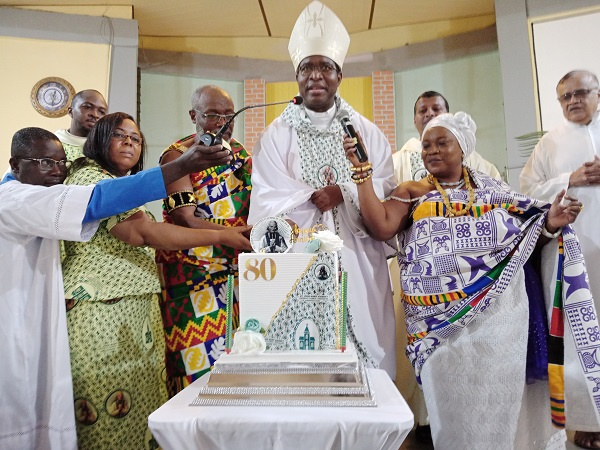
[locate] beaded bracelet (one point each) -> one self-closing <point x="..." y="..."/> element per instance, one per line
<point x="361" y="179"/>
<point x="179" y="199"/>
<point x="361" y="175"/>
<point x="359" y="169"/>
<point x="546" y="233"/>
<point x="403" y="200"/>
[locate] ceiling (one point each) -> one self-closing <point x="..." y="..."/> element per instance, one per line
<point x="260" y="28"/>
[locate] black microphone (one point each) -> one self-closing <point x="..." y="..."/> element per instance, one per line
<point x="209" y="139"/>
<point x="344" y="119"/>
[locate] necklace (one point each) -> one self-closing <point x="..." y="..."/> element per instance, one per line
<point x="456" y="184"/>
<point x="450" y="211"/>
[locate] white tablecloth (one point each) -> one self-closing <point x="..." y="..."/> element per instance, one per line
<point x="178" y="426"/>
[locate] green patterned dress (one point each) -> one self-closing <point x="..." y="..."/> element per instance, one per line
<point x="115" y="333"/>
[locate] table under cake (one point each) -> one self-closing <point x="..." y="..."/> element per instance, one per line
<point x="177" y="425"/>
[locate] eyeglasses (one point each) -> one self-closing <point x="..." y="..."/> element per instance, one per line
<point x="216" y="118"/>
<point x="47" y="164"/>
<point x="323" y="68"/>
<point x="122" y="136"/>
<point x="578" y="94"/>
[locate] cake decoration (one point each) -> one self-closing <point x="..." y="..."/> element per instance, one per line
<point x="324" y="241"/>
<point x="292" y="349"/>
<point x="271" y="235"/>
<point x="229" y="313"/>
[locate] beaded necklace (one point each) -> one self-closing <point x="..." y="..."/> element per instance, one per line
<point x="450" y="211"/>
<point x="454" y="184"/>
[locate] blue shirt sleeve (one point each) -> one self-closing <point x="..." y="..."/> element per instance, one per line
<point x="8" y="176"/>
<point x="115" y="196"/>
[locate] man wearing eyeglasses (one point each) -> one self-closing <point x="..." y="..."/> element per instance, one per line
<point x="567" y="157"/>
<point x="300" y="171"/>
<point x="87" y="107"/>
<point x="36" y="211"/>
<point x="194" y="280"/>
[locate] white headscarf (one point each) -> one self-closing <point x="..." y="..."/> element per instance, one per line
<point x="461" y="125"/>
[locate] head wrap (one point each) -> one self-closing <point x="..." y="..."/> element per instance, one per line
<point x="460" y="125"/>
<point x="318" y="31"/>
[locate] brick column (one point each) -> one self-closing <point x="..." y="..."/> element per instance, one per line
<point x="384" y="108"/>
<point x="254" y="119"/>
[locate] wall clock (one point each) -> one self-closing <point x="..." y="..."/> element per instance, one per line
<point x="52" y="96"/>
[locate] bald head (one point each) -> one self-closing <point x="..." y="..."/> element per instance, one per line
<point x="579" y="96"/>
<point x="210" y="105"/>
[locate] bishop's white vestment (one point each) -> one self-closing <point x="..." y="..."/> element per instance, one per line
<point x="300" y="153"/>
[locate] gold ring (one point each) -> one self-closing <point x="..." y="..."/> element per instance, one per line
<point x="581" y="208"/>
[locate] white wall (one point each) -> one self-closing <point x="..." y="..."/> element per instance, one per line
<point x="512" y="23"/>
<point x="558" y="50"/>
<point x="164" y="119"/>
<point x="471" y="84"/>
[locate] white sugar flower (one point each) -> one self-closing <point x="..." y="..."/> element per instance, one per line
<point x="330" y="242"/>
<point x="248" y="343"/>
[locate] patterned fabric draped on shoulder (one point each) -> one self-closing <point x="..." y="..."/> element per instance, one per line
<point x="453" y="268"/>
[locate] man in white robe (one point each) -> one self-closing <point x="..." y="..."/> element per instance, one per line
<point x="36" y="211"/>
<point x="408" y="164"/>
<point x="567" y="157"/>
<point x="300" y="172"/>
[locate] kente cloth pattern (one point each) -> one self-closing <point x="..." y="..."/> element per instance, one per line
<point x="323" y="163"/>
<point x="195" y="280"/>
<point x="452" y="268"/>
<point x="118" y="370"/>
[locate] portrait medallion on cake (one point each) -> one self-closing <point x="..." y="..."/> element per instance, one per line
<point x="52" y="96"/>
<point x="271" y="235"/>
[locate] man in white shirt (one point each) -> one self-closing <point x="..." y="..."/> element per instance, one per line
<point x="567" y="157"/>
<point x="36" y="211"/>
<point x="300" y="171"/>
<point x="87" y="107"/>
<point x="408" y="164"/>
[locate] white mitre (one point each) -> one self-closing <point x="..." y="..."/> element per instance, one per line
<point x="318" y="31"/>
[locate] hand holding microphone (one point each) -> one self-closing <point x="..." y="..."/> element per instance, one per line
<point x="344" y="119"/>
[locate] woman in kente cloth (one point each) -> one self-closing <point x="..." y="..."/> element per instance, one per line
<point x="490" y="367"/>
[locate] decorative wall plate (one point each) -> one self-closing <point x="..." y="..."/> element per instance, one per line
<point x="52" y="96"/>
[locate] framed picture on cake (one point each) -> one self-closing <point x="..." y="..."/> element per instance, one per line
<point x="271" y="235"/>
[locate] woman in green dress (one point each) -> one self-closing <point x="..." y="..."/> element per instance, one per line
<point x="112" y="290"/>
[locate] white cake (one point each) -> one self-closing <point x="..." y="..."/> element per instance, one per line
<point x="294" y="301"/>
<point x="294" y="297"/>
